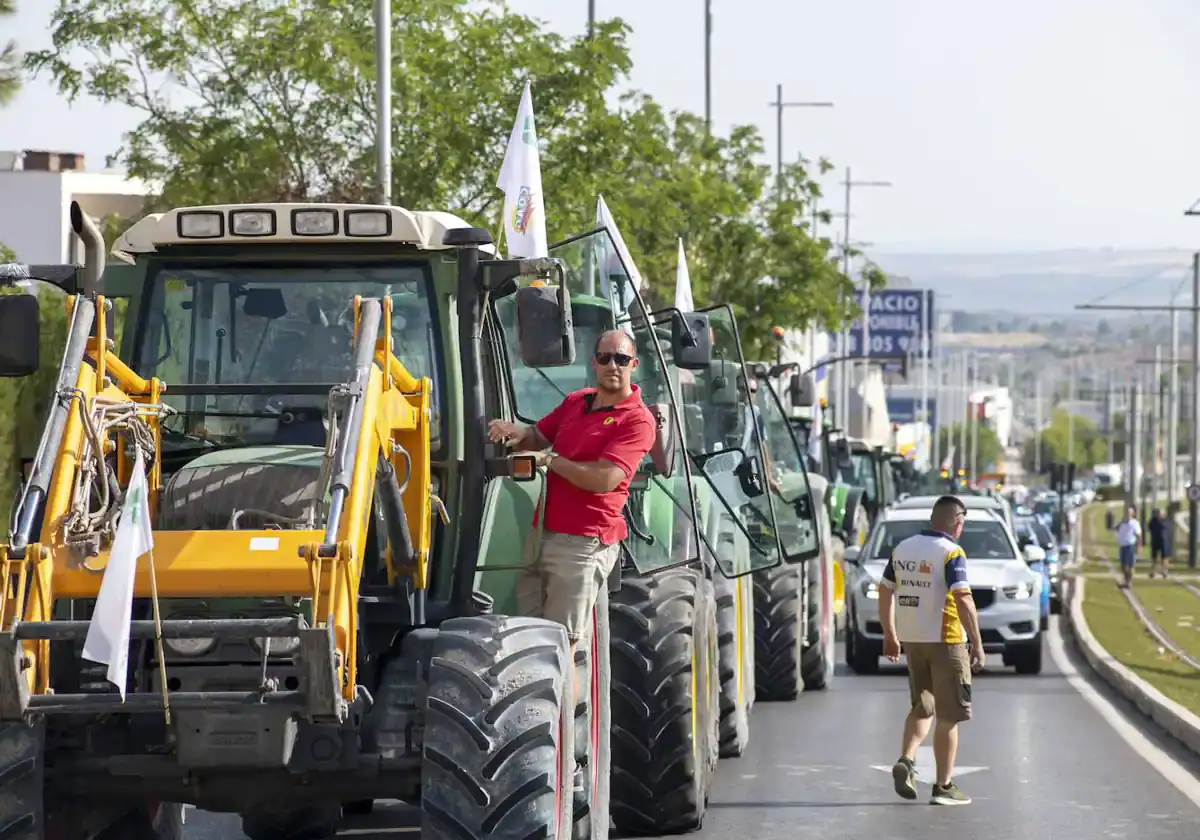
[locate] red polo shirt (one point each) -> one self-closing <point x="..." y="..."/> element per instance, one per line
<point x="622" y="433"/>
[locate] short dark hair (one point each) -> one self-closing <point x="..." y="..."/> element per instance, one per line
<point x="948" y="507"/>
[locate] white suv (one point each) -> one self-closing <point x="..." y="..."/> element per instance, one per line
<point x="1005" y="589"/>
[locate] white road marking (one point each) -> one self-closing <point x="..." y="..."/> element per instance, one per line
<point x="927" y="766"/>
<point x="1161" y="761"/>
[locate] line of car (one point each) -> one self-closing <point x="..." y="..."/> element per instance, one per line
<point x="1013" y="564"/>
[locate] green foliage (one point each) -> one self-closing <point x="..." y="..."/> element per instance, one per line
<point x="27" y="401"/>
<point x="989" y="451"/>
<point x="10" y="59"/>
<point x="1090" y="445"/>
<point x="245" y="100"/>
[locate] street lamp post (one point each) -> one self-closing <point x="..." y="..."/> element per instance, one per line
<point x="779" y="105"/>
<point x="864" y="351"/>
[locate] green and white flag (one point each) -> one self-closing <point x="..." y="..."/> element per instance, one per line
<point x="107" y="640"/>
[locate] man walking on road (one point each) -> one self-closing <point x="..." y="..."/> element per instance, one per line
<point x="599" y="437"/>
<point x="1158" y="543"/>
<point x="1129" y="539"/>
<point x="928" y="575"/>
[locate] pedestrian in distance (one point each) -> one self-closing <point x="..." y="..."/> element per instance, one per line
<point x="1129" y="540"/>
<point x="591" y="446"/>
<point x="933" y="618"/>
<point x="1158" y="543"/>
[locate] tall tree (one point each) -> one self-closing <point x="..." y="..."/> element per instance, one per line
<point x="247" y="100"/>
<point x="10" y="59"/>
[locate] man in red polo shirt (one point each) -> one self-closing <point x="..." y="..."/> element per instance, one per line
<point x="591" y="445"/>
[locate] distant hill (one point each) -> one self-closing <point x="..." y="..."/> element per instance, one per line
<point x="1045" y="283"/>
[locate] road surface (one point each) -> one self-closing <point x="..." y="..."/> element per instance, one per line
<point x="1047" y="756"/>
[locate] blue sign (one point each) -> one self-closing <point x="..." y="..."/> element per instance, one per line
<point x="908" y="410"/>
<point x="896" y="320"/>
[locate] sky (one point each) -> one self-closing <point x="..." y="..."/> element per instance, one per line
<point x="1024" y="125"/>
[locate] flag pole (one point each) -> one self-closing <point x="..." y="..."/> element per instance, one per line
<point x="158" y="641"/>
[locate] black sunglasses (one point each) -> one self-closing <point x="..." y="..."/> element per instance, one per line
<point x="621" y="359"/>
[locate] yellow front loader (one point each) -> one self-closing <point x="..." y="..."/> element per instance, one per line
<point x="308" y="388"/>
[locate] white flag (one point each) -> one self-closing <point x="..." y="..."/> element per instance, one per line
<point x="604" y="218"/>
<point x="683" y="283"/>
<point x="521" y="180"/>
<point x="107" y="640"/>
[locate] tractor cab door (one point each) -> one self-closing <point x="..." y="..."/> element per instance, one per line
<point x="726" y="445"/>
<point x="660" y="515"/>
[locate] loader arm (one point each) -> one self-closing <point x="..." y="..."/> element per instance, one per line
<point x="386" y="417"/>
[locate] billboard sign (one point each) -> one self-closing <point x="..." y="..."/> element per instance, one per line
<point x="895" y="321"/>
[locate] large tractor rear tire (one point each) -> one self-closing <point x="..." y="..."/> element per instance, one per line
<point x="778" y="633"/>
<point x="731" y="655"/>
<point x="499" y="731"/>
<point x="816" y="659"/>
<point x="664" y="702"/>
<point x="593" y="721"/>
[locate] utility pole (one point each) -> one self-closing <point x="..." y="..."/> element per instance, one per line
<point x="1156" y="418"/>
<point x="1070" y="413"/>
<point x="1037" y="424"/>
<point x="591" y="18"/>
<point x="926" y="300"/>
<point x="965" y="387"/>
<point x="1193" y="520"/>
<point x="708" y="33"/>
<point x="383" y="101"/>
<point x="779" y="105"/>
<point x="973" y="469"/>
<point x="1133" y="445"/>
<point x="865" y="349"/>
<point x="1172" y="429"/>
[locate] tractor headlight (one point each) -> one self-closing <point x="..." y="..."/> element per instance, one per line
<point x="1020" y="592"/>
<point x="279" y="646"/>
<point x="190" y="647"/>
<point x="870" y="589"/>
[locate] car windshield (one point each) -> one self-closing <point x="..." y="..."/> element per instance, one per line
<point x="271" y="324"/>
<point x="1034" y="529"/>
<point x="981" y="539"/>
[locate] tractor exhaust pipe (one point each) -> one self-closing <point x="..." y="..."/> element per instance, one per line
<point x="93" y="249"/>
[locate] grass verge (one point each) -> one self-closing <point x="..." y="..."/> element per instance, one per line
<point x="1176" y="610"/>
<point x="1119" y="632"/>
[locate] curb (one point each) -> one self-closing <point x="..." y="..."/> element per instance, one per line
<point x="1172" y="718"/>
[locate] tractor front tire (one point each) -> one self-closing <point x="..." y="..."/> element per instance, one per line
<point x="499" y="731"/>
<point x="778" y="633"/>
<point x="735" y="716"/>
<point x="664" y="715"/>
<point x="816" y="664"/>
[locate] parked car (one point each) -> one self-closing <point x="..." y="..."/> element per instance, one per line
<point x="1005" y="588"/>
<point x="1031" y="531"/>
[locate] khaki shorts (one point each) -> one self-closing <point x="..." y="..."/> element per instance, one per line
<point x="564" y="583"/>
<point x="939" y="680"/>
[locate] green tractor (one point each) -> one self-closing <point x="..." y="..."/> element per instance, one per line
<point x="332" y="616"/>
<point x="679" y="644"/>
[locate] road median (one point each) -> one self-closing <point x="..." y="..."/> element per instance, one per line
<point x="1171" y="716"/>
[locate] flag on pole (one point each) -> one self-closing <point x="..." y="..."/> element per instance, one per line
<point x="107" y="641"/>
<point x="683" y="283"/>
<point x="521" y="180"/>
<point x="604" y="218"/>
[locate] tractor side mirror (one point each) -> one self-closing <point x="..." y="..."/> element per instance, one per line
<point x="20" y="335"/>
<point x="803" y="391"/>
<point x="724" y="380"/>
<point x="545" y="329"/>
<point x="691" y="340"/>
<point x="841" y="454"/>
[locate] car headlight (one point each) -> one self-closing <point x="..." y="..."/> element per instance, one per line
<point x="190" y="647"/>
<point x="1019" y="592"/>
<point x="870" y="589"/>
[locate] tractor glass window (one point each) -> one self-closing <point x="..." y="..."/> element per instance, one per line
<point x="864" y="474"/>
<point x="789" y="476"/>
<point x="660" y="509"/>
<point x="277" y="324"/>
